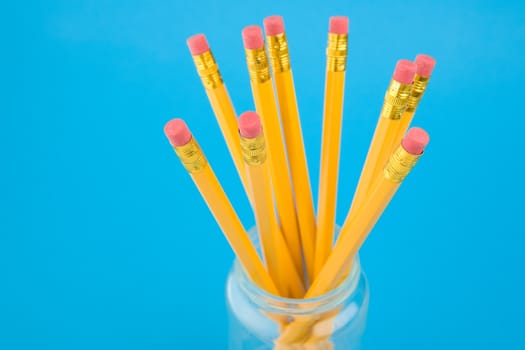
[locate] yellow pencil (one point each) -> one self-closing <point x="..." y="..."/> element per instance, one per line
<point x="221" y="104"/>
<point x="266" y="107"/>
<point x="356" y="229"/>
<point x="195" y="162"/>
<point x="395" y="104"/>
<point x="332" y="119"/>
<point x="276" y="253"/>
<point x="425" y="65"/>
<point x="284" y="86"/>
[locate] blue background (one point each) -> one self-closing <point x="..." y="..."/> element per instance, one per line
<point x="104" y="241"/>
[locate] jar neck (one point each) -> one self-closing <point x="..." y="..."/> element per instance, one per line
<point x="298" y="307"/>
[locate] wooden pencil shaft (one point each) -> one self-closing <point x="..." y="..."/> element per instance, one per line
<point x="232" y="228"/>
<point x="194" y="160"/>
<point x="227" y="120"/>
<point x="222" y="107"/>
<point x="352" y="235"/>
<point x="328" y="176"/>
<point x="298" y="164"/>
<point x="266" y="107"/>
<point x="336" y="57"/>
<point x="395" y="104"/>
<point x="275" y="251"/>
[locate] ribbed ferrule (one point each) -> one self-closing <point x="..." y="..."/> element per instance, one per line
<point x="396" y="99"/>
<point x="208" y="70"/>
<point x="399" y="165"/>
<point x="420" y="85"/>
<point x="336" y="52"/>
<point x="278" y="52"/>
<point x="258" y="67"/>
<point x="253" y="150"/>
<point x="191" y="156"/>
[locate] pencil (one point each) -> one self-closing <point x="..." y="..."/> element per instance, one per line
<point x="356" y="229"/>
<point x="336" y="53"/>
<point x="219" y="98"/>
<point x="289" y="111"/>
<point x="193" y="159"/>
<point x="266" y="107"/>
<point x="276" y="253"/>
<point x="395" y="104"/>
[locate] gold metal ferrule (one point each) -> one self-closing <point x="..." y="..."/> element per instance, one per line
<point x="191" y="156"/>
<point x="396" y="99"/>
<point x="336" y="52"/>
<point x="418" y="89"/>
<point x="208" y="70"/>
<point x="258" y="67"/>
<point x="278" y="52"/>
<point x="399" y="165"/>
<point x="253" y="150"/>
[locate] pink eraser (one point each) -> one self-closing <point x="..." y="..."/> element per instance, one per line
<point x="177" y="132"/>
<point x="198" y="44"/>
<point x="405" y="71"/>
<point x="252" y="37"/>
<point x="274" y="25"/>
<point x="250" y="125"/>
<point x="415" y="141"/>
<point x="339" y="25"/>
<point x="425" y="65"/>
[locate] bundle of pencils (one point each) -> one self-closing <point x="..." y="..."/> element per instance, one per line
<point x="298" y="257"/>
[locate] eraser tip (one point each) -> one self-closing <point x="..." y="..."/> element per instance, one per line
<point x="339" y="25"/>
<point x="415" y="141"/>
<point x="198" y="44"/>
<point x="250" y="125"/>
<point x="425" y="65"/>
<point x="177" y="132"/>
<point x="274" y="25"/>
<point x="252" y="37"/>
<point x="405" y="71"/>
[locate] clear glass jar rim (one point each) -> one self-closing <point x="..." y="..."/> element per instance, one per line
<point x="295" y="307"/>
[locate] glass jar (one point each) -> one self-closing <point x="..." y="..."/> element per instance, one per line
<point x="336" y="320"/>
